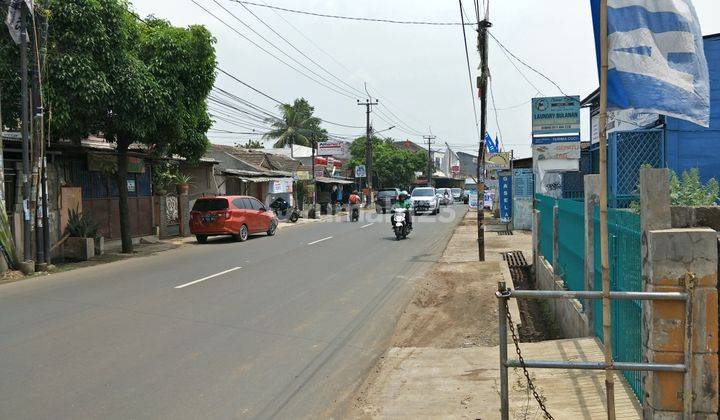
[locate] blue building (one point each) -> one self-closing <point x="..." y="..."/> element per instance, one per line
<point x="659" y="140"/>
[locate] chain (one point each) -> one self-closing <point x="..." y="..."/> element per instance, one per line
<point x="530" y="383"/>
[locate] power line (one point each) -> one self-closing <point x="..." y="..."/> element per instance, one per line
<point x="526" y="64"/>
<point x="268" y="52"/>
<point x="497" y="121"/>
<point x="333" y="86"/>
<point x="467" y="59"/>
<point x="297" y="49"/>
<point x="363" y="19"/>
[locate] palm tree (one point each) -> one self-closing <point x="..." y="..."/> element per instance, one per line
<point x="295" y="127"/>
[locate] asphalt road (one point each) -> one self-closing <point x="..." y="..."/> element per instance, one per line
<point x="276" y="327"/>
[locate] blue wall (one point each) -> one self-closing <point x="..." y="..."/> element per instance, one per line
<point x="689" y="145"/>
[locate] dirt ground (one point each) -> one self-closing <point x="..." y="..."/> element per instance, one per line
<point x="443" y="359"/>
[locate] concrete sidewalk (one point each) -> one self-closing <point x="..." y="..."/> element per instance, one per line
<point x="444" y="362"/>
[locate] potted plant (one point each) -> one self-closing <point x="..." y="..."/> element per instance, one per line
<point x="183" y="183"/>
<point x="82" y="233"/>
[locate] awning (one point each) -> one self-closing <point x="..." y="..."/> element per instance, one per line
<point x="326" y="180"/>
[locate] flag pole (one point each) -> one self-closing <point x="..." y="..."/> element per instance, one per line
<point x="604" y="259"/>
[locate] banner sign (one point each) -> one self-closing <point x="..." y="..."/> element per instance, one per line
<point x="303" y="175"/>
<point x="281" y="186"/>
<point x="360" y="171"/>
<point x="505" y="201"/>
<point x="556" y="115"/>
<point x="489" y="198"/>
<point x="333" y="148"/>
<point x="319" y="172"/>
<point x="455" y="169"/>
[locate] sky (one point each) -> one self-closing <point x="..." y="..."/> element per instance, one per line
<point x="418" y="73"/>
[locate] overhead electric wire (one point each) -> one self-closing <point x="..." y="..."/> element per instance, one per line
<point x="268" y="52"/>
<point x="333" y="86"/>
<point x="363" y="19"/>
<point x="298" y="50"/>
<point x="497" y="121"/>
<point x="467" y="59"/>
<point x="526" y="64"/>
<point x="537" y="90"/>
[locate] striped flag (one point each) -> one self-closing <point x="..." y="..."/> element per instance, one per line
<point x="492" y="146"/>
<point x="656" y="60"/>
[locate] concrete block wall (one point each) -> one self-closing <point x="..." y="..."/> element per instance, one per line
<point x="680" y="260"/>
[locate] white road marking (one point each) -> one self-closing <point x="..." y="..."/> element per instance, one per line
<point x="319" y="240"/>
<point x="369" y="224"/>
<point x="207" y="278"/>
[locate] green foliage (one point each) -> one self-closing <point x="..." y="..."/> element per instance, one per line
<point x="297" y="126"/>
<point x="183" y="179"/>
<point x="392" y="166"/>
<point x="252" y="144"/>
<point x="688" y="190"/>
<point x="81" y="225"/>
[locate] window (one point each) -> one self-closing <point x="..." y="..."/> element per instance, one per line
<point x="246" y="203"/>
<point x="214" y="204"/>
<point x="238" y="203"/>
<point x="256" y="205"/>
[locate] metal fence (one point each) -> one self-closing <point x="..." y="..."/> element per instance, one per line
<point x="545" y="205"/>
<point x="627" y="152"/>
<point x="625" y="276"/>
<point x="571" y="243"/>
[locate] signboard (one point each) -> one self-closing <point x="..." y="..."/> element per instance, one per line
<point x="556" y="115"/>
<point x="522" y="183"/>
<point x="360" y="171"/>
<point x="473" y="201"/>
<point x="319" y="172"/>
<point x="455" y="169"/>
<point x="555" y="139"/>
<point x="333" y="148"/>
<point x="505" y="199"/>
<point x="281" y="186"/>
<point x="498" y="161"/>
<point x="131" y="186"/>
<point x="557" y="151"/>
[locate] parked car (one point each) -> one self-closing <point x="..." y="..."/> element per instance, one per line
<point x="423" y="199"/>
<point x="386" y="197"/>
<point x="237" y="216"/>
<point x="445" y="196"/>
<point x="457" y="194"/>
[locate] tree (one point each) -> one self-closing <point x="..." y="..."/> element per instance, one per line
<point x="130" y="81"/>
<point x="252" y="144"/>
<point x="392" y="166"/>
<point x="297" y="125"/>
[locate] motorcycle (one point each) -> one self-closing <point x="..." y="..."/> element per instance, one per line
<point x="400" y="223"/>
<point x="281" y="207"/>
<point x="354" y="213"/>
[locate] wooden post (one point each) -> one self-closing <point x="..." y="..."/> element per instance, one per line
<point x="604" y="259"/>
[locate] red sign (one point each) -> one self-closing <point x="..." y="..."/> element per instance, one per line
<point x="455" y="169"/>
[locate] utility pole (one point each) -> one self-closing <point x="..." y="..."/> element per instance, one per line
<point x="368" y="146"/>
<point x="430" y="165"/>
<point x="482" y="86"/>
<point x="27" y="232"/>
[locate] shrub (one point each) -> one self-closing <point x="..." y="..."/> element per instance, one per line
<point x="81" y="225"/>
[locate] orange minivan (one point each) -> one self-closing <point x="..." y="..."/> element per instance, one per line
<point x="235" y="215"/>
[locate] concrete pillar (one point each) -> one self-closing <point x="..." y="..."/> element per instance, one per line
<point x="592" y="199"/>
<point x="655" y="199"/>
<point x="681" y="260"/>
<point x="556" y="226"/>
<point x="184" y="213"/>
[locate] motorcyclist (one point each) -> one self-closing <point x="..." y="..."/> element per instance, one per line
<point x="403" y="202"/>
<point x="354" y="198"/>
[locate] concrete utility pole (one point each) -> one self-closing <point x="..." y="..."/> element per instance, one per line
<point x="368" y="147"/>
<point x="430" y="165"/>
<point x="482" y="86"/>
<point x="27" y="232"/>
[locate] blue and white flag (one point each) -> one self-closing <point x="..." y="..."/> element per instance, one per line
<point x="491" y="145"/>
<point x="656" y="58"/>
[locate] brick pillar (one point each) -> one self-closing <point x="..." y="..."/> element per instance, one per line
<point x="592" y="199"/>
<point x="673" y="258"/>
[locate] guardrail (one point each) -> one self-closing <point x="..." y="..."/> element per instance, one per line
<point x="504" y="294"/>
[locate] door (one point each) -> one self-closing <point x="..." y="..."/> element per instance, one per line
<point x="257" y="216"/>
<point x="240" y="214"/>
